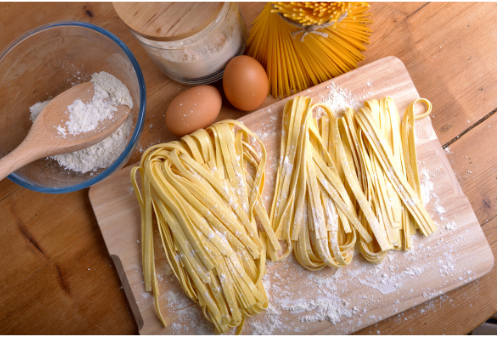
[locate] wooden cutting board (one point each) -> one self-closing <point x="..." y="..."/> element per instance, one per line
<point x="329" y="301"/>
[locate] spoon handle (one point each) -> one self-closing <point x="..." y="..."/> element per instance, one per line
<point x="17" y="158"/>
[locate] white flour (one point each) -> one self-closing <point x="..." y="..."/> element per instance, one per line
<point x="426" y="186"/>
<point x="338" y="99"/>
<point x="327" y="307"/>
<point x="37" y="108"/>
<point x="108" y="93"/>
<point x="201" y="54"/>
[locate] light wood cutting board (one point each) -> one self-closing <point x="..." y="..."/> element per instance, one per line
<point x="329" y="301"/>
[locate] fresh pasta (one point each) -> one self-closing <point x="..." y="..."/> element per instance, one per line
<point x="312" y="211"/>
<point x="345" y="179"/>
<point x="206" y="203"/>
<point x="341" y="182"/>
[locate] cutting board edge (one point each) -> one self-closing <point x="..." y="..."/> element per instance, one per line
<point x="119" y="266"/>
<point x="127" y="290"/>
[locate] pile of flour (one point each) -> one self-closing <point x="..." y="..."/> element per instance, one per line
<point x="109" y="92"/>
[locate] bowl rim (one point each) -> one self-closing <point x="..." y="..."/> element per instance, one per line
<point x="139" y="123"/>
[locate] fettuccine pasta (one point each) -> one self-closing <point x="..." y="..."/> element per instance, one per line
<point x="346" y="179"/>
<point x="206" y="206"/>
<point x="312" y="211"/>
<point x="341" y="181"/>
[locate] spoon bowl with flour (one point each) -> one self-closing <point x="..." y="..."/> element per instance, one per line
<point x="78" y="118"/>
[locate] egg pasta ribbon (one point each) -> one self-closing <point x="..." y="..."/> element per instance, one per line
<point x="207" y="205"/>
<point x="347" y="179"/>
<point x="389" y="181"/>
<point x="312" y="211"/>
<point x="379" y="146"/>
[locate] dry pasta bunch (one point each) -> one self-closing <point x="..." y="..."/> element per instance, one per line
<point x="206" y="202"/>
<point x="311" y="209"/>
<point x="293" y="65"/>
<point x="316" y="13"/>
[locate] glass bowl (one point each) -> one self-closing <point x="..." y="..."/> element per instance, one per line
<point x="44" y="62"/>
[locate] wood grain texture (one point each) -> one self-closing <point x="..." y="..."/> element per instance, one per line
<point x="460" y="81"/>
<point x="417" y="33"/>
<point x="466" y="299"/>
<point x="167" y="20"/>
<point x="445" y="261"/>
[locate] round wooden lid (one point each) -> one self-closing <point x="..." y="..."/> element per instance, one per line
<point x="167" y="20"/>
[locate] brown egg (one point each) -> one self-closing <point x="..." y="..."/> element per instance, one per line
<point x="245" y="83"/>
<point x="195" y="108"/>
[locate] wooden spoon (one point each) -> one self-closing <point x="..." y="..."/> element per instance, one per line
<point x="43" y="138"/>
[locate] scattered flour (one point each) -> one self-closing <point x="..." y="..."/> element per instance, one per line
<point x="338" y="99"/>
<point x="177" y="300"/>
<point x="329" y="307"/>
<point x="385" y="284"/>
<point x="450" y="226"/>
<point x="108" y="92"/>
<point x="176" y="327"/>
<point x="439" y="209"/>
<point x="266" y="327"/>
<point x="426" y="186"/>
<point x="146" y="299"/>
<point x="446" y="263"/>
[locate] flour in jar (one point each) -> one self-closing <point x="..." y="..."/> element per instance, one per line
<point x="202" y="54"/>
<point x="109" y="92"/>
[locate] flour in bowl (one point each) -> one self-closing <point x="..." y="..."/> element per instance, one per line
<point x="109" y="92"/>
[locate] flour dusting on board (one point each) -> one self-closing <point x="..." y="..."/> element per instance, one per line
<point x="358" y="295"/>
<point x="338" y="99"/>
<point x="426" y="186"/>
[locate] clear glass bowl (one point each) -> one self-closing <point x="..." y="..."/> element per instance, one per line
<point x="44" y="62"/>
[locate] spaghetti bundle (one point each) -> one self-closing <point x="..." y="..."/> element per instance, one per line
<point x="345" y="178"/>
<point x="314" y="13"/>
<point x="329" y="49"/>
<point x="206" y="205"/>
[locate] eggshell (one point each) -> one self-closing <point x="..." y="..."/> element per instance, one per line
<point x="245" y="83"/>
<point x="195" y="108"/>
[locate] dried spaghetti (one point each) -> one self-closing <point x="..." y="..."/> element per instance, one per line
<point x="315" y="13"/>
<point x="329" y="49"/>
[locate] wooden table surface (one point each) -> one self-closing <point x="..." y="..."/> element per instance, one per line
<point x="56" y="276"/>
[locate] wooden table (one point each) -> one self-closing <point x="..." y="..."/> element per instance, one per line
<point x="56" y="276"/>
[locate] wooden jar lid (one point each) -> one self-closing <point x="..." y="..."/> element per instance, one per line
<point x="167" y="20"/>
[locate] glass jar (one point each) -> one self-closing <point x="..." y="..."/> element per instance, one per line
<point x="201" y="57"/>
